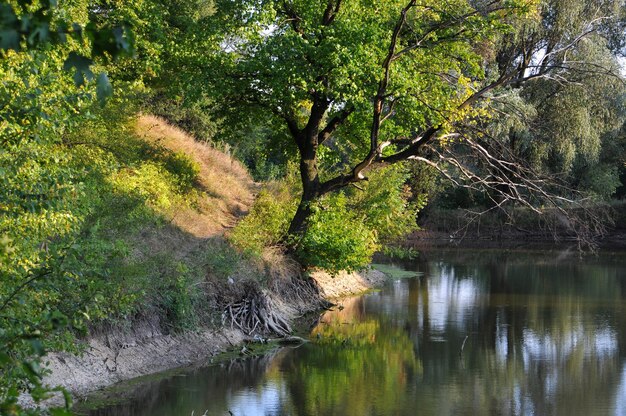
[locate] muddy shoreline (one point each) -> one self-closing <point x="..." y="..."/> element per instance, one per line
<point x="146" y="347"/>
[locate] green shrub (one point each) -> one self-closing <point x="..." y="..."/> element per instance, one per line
<point x="150" y="182"/>
<point x="268" y="221"/>
<point x="221" y="259"/>
<point x="180" y="297"/>
<point x="184" y="168"/>
<point x="384" y="204"/>
<point x="337" y="238"/>
<point x="602" y="180"/>
<point x="345" y="228"/>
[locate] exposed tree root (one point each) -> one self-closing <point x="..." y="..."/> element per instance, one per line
<point x="255" y="314"/>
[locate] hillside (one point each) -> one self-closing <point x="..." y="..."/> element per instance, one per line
<point x="224" y="185"/>
<point x="177" y="272"/>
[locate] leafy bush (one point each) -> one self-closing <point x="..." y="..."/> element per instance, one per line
<point x="347" y="228"/>
<point x="267" y="223"/>
<point x="180" y="297"/>
<point x="151" y="183"/>
<point x="384" y="204"/>
<point x="337" y="238"/>
<point x="184" y="168"/>
<point x="602" y="180"/>
<point x="344" y="230"/>
<point x="72" y="241"/>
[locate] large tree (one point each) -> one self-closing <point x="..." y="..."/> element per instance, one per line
<point x="378" y="81"/>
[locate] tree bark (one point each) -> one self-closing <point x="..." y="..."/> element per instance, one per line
<point x="310" y="192"/>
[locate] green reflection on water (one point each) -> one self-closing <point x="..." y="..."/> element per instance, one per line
<point x="357" y="366"/>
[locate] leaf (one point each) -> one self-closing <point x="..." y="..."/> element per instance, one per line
<point x="104" y="90"/>
<point x="77" y="32"/>
<point x="120" y="39"/>
<point x="40" y="33"/>
<point x="37" y="346"/>
<point x="81" y="65"/>
<point x="9" y="39"/>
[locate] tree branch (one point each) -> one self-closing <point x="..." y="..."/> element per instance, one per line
<point x="293" y="18"/>
<point x="382" y="95"/>
<point x="331" y="11"/>
<point x="333" y="124"/>
<point x="27" y="282"/>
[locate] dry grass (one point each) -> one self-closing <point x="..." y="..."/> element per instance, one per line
<point x="278" y="266"/>
<point x="227" y="189"/>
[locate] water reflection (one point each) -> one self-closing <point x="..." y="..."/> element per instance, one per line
<point x="542" y="336"/>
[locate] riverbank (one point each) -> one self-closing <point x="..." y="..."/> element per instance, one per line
<point x="147" y="346"/>
<point x="521" y="228"/>
<point x="171" y="287"/>
<point x="445" y="343"/>
<point x="425" y="240"/>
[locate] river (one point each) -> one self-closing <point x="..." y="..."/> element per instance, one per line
<point x="471" y="333"/>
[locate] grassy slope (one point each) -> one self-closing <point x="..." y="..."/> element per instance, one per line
<point x="224" y="185"/>
<point x="175" y="261"/>
<point x="155" y="232"/>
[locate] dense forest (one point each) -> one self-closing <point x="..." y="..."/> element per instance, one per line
<point x="353" y="118"/>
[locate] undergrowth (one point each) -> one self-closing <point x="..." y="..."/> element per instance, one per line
<point x="345" y="229"/>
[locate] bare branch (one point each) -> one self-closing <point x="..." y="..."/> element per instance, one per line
<point x="505" y="180"/>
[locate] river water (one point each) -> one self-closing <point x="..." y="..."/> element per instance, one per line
<point x="472" y="333"/>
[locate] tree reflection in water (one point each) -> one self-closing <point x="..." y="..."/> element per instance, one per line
<point x="544" y="336"/>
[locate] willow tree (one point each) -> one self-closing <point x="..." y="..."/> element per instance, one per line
<point x="556" y="133"/>
<point x="560" y="121"/>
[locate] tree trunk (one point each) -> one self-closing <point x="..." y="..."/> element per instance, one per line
<point x="307" y="140"/>
<point x="310" y="191"/>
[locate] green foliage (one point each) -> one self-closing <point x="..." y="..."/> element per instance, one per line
<point x="566" y="128"/>
<point x="184" y="168"/>
<point x="34" y="26"/>
<point x="268" y="220"/>
<point x="194" y="116"/>
<point x="221" y="259"/>
<point x="74" y="216"/>
<point x="400" y="253"/>
<point x="396" y="272"/>
<point x="601" y="180"/>
<point x="345" y="229"/>
<point x="337" y="238"/>
<point x="80" y="194"/>
<point x="341" y="61"/>
<point x="149" y="182"/>
<point x="261" y="149"/>
<point x="385" y="205"/>
<point x="179" y="297"/>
